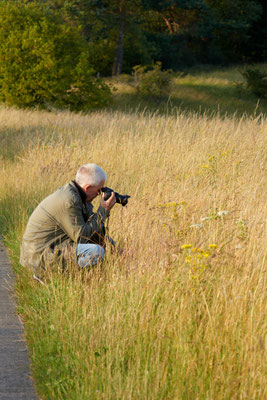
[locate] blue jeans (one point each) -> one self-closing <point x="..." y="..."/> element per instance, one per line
<point x="89" y="254"/>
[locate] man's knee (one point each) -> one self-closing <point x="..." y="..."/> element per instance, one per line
<point x="90" y="254"/>
<point x="97" y="255"/>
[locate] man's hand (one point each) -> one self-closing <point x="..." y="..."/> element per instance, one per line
<point x="108" y="204"/>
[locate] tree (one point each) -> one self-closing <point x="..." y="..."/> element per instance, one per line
<point x="176" y="15"/>
<point x="255" y="49"/>
<point x="120" y="18"/>
<point x="232" y="21"/>
<point x="181" y="30"/>
<point x="122" y="33"/>
<point x="44" y="60"/>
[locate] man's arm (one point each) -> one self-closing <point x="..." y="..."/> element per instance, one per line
<point x="73" y="221"/>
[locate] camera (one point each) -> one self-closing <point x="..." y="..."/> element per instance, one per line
<point x="121" y="199"/>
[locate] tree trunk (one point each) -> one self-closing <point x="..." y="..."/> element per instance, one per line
<point x="117" y="66"/>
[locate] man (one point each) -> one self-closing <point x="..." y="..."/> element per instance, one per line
<point x="64" y="225"/>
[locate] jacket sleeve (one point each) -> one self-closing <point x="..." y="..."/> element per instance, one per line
<point x="72" y="222"/>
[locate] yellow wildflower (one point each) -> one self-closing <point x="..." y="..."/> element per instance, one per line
<point x="186" y="246"/>
<point x="213" y="246"/>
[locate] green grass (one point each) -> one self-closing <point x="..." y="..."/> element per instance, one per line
<point x="207" y="92"/>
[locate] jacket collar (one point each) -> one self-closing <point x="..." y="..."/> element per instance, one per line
<point x="81" y="191"/>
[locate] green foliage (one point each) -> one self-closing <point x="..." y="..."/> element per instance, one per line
<point x="256" y="82"/>
<point x="152" y="82"/>
<point x="44" y="60"/>
<point x="179" y="33"/>
<point x="231" y="21"/>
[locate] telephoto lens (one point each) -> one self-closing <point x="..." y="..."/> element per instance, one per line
<point x="120" y="199"/>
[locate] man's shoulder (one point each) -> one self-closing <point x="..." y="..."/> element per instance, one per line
<point x="67" y="191"/>
<point x="66" y="195"/>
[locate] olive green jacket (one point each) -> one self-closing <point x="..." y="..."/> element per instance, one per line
<point x="58" y="224"/>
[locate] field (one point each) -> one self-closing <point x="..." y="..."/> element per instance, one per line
<point x="182" y="313"/>
<point x="206" y="91"/>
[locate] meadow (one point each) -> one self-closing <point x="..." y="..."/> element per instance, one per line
<point x="182" y="313"/>
<point x="205" y="90"/>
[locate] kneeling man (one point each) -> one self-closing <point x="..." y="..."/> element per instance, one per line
<point x="64" y="223"/>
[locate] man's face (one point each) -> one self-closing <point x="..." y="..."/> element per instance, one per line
<point x="93" y="191"/>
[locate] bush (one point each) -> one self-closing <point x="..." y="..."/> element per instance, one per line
<point x="153" y="81"/>
<point x="256" y="82"/>
<point x="44" y="60"/>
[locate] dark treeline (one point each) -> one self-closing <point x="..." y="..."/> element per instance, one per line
<point x="179" y="33"/>
<point x="53" y="52"/>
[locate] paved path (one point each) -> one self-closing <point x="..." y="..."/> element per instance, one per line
<point x="15" y="381"/>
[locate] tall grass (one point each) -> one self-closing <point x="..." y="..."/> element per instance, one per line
<point x="182" y="314"/>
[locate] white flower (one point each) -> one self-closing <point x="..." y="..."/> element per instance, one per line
<point x="221" y="213"/>
<point x="205" y="219"/>
<point x="198" y="226"/>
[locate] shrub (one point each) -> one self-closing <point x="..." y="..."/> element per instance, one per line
<point x="44" y="60"/>
<point x="256" y="82"/>
<point x="153" y="81"/>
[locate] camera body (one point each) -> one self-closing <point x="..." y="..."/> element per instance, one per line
<point x="120" y="199"/>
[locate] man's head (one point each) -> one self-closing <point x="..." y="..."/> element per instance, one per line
<point x="91" y="178"/>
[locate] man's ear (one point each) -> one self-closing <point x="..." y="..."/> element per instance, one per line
<point x="86" y="187"/>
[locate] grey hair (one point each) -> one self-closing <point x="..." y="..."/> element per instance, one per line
<point x="90" y="174"/>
